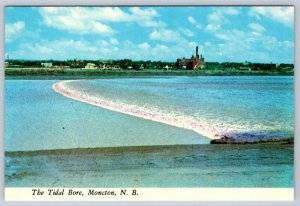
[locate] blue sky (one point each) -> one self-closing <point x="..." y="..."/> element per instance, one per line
<point x="235" y="34"/>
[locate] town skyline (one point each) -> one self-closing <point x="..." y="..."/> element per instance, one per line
<point x="223" y="34"/>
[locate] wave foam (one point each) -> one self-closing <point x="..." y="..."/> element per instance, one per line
<point x="202" y="128"/>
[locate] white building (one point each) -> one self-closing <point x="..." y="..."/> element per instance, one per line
<point x="90" y="66"/>
<point x="47" y="64"/>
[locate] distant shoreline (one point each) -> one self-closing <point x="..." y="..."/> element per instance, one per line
<point x="94" y="73"/>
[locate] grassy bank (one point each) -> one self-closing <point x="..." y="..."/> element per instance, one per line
<point x="11" y="72"/>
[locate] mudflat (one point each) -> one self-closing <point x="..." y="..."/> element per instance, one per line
<point x="231" y="165"/>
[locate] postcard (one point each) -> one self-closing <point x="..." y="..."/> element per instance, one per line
<point x="149" y="103"/>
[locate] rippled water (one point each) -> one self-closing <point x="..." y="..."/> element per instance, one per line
<point x="238" y="106"/>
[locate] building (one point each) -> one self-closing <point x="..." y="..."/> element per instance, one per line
<point x="110" y="66"/>
<point x="195" y="62"/>
<point x="90" y="66"/>
<point x="47" y="64"/>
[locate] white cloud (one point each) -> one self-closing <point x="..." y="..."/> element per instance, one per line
<point x="207" y="44"/>
<point x="144" y="45"/>
<point x="255" y="45"/>
<point x="165" y="35"/>
<point x="114" y="41"/>
<point x="257" y="27"/>
<point x="102" y="43"/>
<point x="161" y="48"/>
<point x="230" y="11"/>
<point x="270" y="43"/>
<point x="222" y="36"/>
<point x="287" y="44"/>
<point x="218" y="15"/>
<point x="215" y="17"/>
<point x="97" y="27"/>
<point x="103" y="49"/>
<point x="192" y="20"/>
<point x="165" y="50"/>
<point x="255" y="33"/>
<point x="69" y="49"/>
<point x="65" y="48"/>
<point x="145" y="17"/>
<point x="151" y="23"/>
<point x="79" y="20"/>
<point x="146" y="52"/>
<point x="249" y="46"/>
<point x="212" y="27"/>
<point x="13" y="30"/>
<point x="86" y="20"/>
<point x="186" y="32"/>
<point x="192" y="44"/>
<point x="283" y="15"/>
<point x="144" y="13"/>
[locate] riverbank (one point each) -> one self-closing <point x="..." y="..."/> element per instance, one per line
<point x="229" y="140"/>
<point x="96" y="73"/>
<point x="221" y="166"/>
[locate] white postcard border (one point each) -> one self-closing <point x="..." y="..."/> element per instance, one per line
<point x="13" y="191"/>
<point x="149" y="194"/>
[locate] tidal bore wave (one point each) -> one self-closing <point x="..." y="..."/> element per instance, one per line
<point x="203" y="128"/>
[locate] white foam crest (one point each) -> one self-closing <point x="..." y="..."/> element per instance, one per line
<point x="201" y="127"/>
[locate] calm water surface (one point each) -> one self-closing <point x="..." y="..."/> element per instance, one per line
<point x="37" y="118"/>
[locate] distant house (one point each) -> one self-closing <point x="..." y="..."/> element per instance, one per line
<point x="245" y="68"/>
<point x="167" y="67"/>
<point x="192" y="63"/>
<point x="90" y="66"/>
<point x="105" y="66"/>
<point x="102" y="66"/>
<point x="113" y="67"/>
<point x="47" y="64"/>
